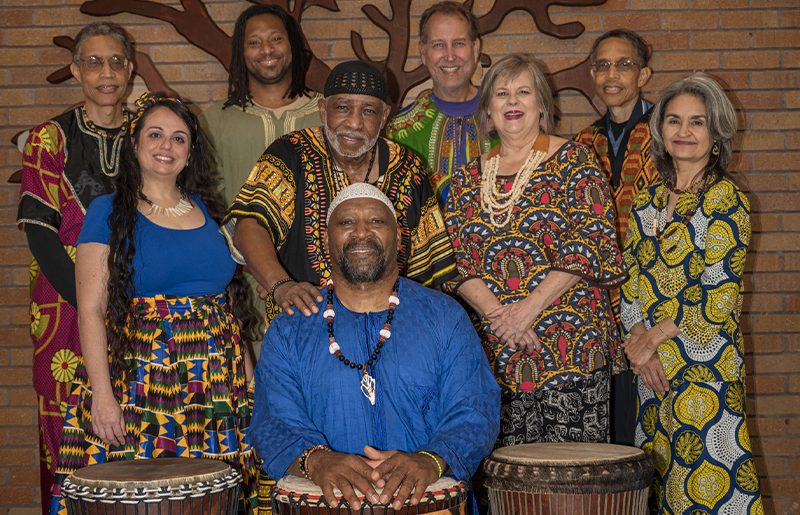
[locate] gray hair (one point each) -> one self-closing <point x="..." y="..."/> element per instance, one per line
<point x="100" y="28"/>
<point x="508" y="68"/>
<point x="636" y="41"/>
<point x="720" y="119"/>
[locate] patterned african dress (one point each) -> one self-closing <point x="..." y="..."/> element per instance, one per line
<point x="186" y="396"/>
<point x="67" y="163"/>
<point x="443" y="134"/>
<point x="696" y="433"/>
<point x="563" y="221"/>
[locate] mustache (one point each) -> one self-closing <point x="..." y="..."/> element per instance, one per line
<point x="358" y="242"/>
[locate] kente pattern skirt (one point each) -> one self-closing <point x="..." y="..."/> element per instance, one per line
<point x="187" y="397"/>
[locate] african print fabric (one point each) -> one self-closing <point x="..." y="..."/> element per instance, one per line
<point x="697" y="433"/>
<point x="66" y="165"/>
<point x="289" y="191"/>
<point x="188" y="399"/>
<point x="628" y="171"/>
<point x="564" y="221"/>
<point x="573" y="412"/>
<point x="443" y="141"/>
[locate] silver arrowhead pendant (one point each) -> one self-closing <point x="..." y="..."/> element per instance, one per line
<point x="368" y="386"/>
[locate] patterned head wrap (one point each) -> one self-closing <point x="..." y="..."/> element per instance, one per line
<point x="148" y="100"/>
<point x="359" y="190"/>
<point x="356" y="78"/>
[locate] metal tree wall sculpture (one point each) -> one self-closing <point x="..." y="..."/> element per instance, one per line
<point x="196" y="25"/>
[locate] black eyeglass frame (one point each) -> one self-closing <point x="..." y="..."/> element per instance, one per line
<point x="124" y="60"/>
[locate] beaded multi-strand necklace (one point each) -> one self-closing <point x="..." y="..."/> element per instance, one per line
<point x="498" y="203"/>
<point x="367" y="381"/>
<point x="661" y="203"/>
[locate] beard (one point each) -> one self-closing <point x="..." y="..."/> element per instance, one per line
<point x="334" y="141"/>
<point x="368" y="270"/>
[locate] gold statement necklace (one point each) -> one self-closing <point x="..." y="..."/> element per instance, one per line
<point x="499" y="203"/>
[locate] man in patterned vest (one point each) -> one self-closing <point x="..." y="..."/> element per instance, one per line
<point x="267" y="98"/>
<point x="621" y="141"/>
<point x="440" y="125"/>
<point x="67" y="163"/>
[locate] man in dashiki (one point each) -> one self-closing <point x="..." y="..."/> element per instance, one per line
<point x="440" y="125"/>
<point x="276" y="223"/>
<point x="267" y="98"/>
<point x="387" y="377"/>
<point x="621" y="142"/>
<point x="68" y="162"/>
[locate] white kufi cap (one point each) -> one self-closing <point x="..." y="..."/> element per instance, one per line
<point x="359" y="190"/>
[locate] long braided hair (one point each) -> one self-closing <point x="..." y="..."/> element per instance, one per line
<point x="195" y="181"/>
<point x="238" y="77"/>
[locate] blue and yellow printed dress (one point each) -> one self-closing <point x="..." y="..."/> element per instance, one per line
<point x="563" y="221"/>
<point x="696" y="434"/>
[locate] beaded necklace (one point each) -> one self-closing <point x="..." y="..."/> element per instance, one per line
<point x="109" y="167"/>
<point x="367" y="381"/>
<point x="661" y="203"/>
<point x="491" y="195"/>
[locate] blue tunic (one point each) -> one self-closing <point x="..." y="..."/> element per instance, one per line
<point x="435" y="391"/>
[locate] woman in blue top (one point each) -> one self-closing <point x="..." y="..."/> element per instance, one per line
<point x="157" y="308"/>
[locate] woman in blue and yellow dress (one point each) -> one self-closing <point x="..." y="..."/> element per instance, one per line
<point x="532" y="225"/>
<point x="685" y="250"/>
<point x="163" y="370"/>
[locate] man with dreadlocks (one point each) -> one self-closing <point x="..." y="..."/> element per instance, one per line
<point x="267" y="98"/>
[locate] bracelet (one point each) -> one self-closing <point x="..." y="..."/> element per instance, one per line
<point x="438" y="466"/>
<point x="306" y="454"/>
<point x="275" y="286"/>
<point x="659" y="328"/>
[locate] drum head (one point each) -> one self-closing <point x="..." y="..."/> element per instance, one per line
<point x="559" y="454"/>
<point x="155" y="473"/>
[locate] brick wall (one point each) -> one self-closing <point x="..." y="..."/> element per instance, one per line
<point x="750" y="44"/>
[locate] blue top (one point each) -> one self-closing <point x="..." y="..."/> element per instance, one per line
<point x="189" y="262"/>
<point x="435" y="391"/>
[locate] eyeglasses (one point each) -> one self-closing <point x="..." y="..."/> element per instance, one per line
<point x="96" y="63"/>
<point x="623" y="65"/>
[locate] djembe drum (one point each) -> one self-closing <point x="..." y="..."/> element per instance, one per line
<point x="294" y="495"/>
<point x="568" y="479"/>
<point x="165" y="486"/>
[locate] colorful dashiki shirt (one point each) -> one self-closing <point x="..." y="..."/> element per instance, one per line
<point x="628" y="171"/>
<point x="297" y="166"/>
<point x="188" y="398"/>
<point x="563" y="221"/>
<point x="66" y="165"/>
<point x="696" y="434"/>
<point x="443" y="134"/>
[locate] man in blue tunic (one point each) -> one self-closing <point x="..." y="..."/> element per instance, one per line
<point x="388" y="378"/>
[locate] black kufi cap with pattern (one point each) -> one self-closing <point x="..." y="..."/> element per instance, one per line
<point x="356" y="78"/>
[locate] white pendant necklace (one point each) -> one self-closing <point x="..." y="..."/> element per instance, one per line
<point x="367" y="381"/>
